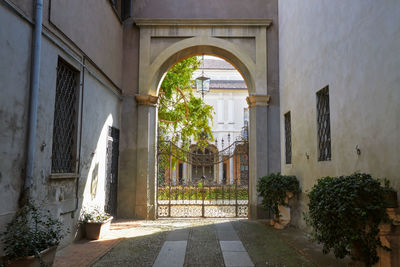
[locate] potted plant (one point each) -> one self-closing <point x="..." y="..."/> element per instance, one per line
<point x="31" y="238"/>
<point x="389" y="195"/>
<point x="97" y="223"/>
<point x="276" y="190"/>
<point x="352" y="208"/>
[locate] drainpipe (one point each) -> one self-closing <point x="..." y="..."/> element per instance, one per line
<point x="34" y="86"/>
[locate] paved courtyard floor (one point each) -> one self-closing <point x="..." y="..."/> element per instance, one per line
<point x="196" y="242"/>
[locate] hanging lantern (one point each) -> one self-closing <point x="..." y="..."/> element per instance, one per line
<point x="202" y="84"/>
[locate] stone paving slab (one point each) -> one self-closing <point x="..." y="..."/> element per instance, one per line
<point x="227" y="235"/>
<point x="241" y="259"/>
<point x="232" y="246"/>
<point x="172" y="254"/>
<point x="225" y="226"/>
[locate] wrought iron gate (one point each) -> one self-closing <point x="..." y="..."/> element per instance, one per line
<point x="194" y="184"/>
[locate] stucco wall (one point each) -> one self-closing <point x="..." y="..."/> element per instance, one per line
<point x="90" y="26"/>
<point x="204" y="9"/>
<point x="14" y="81"/>
<point x="95" y="28"/>
<point x="100" y="108"/>
<point x="352" y="46"/>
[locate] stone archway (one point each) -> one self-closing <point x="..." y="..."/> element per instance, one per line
<point x="164" y="42"/>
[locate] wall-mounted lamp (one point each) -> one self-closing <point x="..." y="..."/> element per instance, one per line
<point x="307" y="155"/>
<point x="358" y="150"/>
<point x="42" y="146"/>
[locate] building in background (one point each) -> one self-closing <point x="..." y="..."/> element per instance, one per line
<point x="227" y="95"/>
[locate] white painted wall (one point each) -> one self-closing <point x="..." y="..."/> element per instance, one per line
<point x="228" y="117"/>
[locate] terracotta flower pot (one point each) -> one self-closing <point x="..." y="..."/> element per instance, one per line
<point x="47" y="257"/>
<point x="390" y="199"/>
<point x="97" y="230"/>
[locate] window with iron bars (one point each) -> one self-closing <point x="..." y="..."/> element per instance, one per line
<point x="65" y="119"/>
<point x="323" y="124"/>
<point x="288" y="139"/>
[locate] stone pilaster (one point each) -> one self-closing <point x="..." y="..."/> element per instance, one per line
<point x="258" y="146"/>
<point x="146" y="157"/>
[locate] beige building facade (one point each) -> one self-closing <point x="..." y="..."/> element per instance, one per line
<point x="360" y="65"/>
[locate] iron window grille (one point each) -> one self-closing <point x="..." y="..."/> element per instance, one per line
<point x="288" y="138"/>
<point x="65" y="119"/>
<point x="323" y="121"/>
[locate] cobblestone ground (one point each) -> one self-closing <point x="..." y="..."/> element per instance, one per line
<point x="203" y="237"/>
<point x="196" y="242"/>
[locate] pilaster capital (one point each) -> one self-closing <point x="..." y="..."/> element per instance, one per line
<point x="149" y="100"/>
<point x="258" y="100"/>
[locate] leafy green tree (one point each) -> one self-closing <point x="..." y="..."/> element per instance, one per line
<point x="181" y="115"/>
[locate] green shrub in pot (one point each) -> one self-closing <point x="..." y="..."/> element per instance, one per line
<point x="31" y="232"/>
<point x="274" y="187"/>
<point x="345" y="213"/>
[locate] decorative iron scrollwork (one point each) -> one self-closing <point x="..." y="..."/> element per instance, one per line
<point x="188" y="185"/>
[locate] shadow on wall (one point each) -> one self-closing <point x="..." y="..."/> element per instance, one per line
<point x="91" y="187"/>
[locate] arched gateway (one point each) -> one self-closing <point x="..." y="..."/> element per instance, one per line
<point x="164" y="42"/>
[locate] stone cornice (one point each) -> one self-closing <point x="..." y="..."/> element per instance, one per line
<point x="149" y="100"/>
<point x="202" y="22"/>
<point x="258" y="100"/>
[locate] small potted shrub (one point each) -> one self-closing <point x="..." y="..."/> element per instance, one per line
<point x="276" y="190"/>
<point x="345" y="214"/>
<point x="389" y="195"/>
<point x="97" y="223"/>
<point x="32" y="237"/>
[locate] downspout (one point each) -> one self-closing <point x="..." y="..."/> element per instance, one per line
<point x="33" y="101"/>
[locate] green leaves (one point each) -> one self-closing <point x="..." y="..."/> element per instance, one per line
<point x="273" y="189"/>
<point x="345" y="212"/>
<point x="182" y="115"/>
<point x="30" y="232"/>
